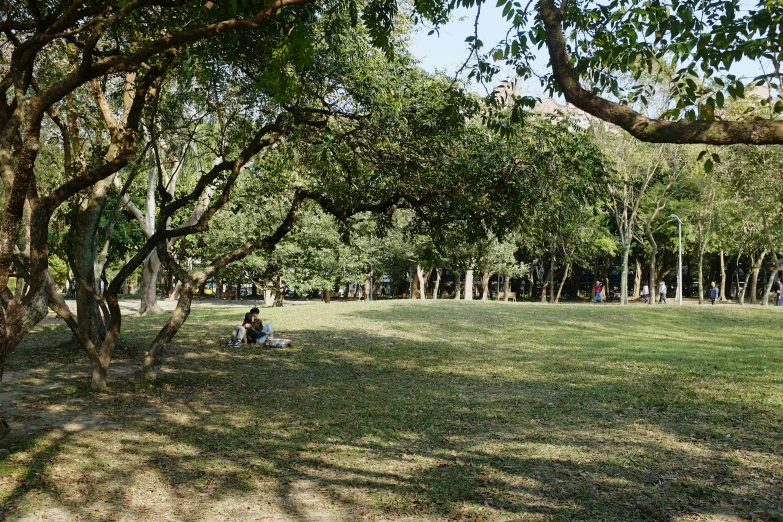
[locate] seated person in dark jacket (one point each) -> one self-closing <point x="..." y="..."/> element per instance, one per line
<point x="251" y="330"/>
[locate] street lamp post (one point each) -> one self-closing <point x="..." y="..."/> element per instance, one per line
<point x="679" y="255"/>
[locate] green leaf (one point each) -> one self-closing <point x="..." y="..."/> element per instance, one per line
<point x="708" y="166"/>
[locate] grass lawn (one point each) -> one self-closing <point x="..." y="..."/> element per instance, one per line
<point x="409" y="411"/>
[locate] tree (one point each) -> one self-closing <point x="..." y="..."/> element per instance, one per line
<point x="590" y="45"/>
<point x="133" y="44"/>
<point x="106" y="41"/>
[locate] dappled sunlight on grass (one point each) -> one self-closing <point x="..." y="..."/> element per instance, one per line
<point x="411" y="411"/>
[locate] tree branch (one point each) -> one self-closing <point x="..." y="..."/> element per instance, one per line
<point x="756" y="132"/>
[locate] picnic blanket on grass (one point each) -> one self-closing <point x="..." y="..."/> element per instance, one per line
<point x="278" y="342"/>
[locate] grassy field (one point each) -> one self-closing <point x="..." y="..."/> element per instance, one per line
<point x="410" y="411"/>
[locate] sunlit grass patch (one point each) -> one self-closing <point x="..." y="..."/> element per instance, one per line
<point x="412" y="411"/>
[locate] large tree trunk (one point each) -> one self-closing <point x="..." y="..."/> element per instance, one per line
<point x="19" y="318"/>
<point x="457" y="285"/>
<point x="469" y="284"/>
<point x="506" y="288"/>
<point x="269" y="297"/>
<point x="437" y="284"/>
<point x="485" y="276"/>
<point x="414" y="285"/>
<point x="84" y="257"/>
<point x="562" y="282"/>
<point x="148" y="292"/>
<point x="722" y="278"/>
<point x="327" y="298"/>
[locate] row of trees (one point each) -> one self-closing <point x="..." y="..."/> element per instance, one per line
<point x="589" y="200"/>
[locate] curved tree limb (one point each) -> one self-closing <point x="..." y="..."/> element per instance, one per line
<point x="755" y="132"/>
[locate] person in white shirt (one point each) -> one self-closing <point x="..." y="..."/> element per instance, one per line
<point x="662" y="292"/>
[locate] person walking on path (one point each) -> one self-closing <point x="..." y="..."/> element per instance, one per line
<point x="777" y="290"/>
<point x="713" y="293"/>
<point x="662" y="292"/>
<point x="646" y="294"/>
<point x="599" y="298"/>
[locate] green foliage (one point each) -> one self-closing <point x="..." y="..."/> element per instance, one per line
<point x="697" y="41"/>
<point x="59" y="270"/>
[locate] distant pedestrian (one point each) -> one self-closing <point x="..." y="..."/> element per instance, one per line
<point x="777" y="289"/>
<point x="646" y="294"/>
<point x="713" y="293"/>
<point x="662" y="292"/>
<point x="599" y="298"/>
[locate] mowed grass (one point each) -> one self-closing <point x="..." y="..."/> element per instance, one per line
<point x="411" y="411"/>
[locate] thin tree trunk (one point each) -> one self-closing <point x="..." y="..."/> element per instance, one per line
<point x="414" y="284"/>
<point x="552" y="275"/>
<point x="532" y="284"/>
<point x="701" y="277"/>
<point x="148" y="292"/>
<point x="722" y="278"/>
<point x="279" y="292"/>
<point x="562" y="282"/>
<point x="469" y="284"/>
<point x="637" y="280"/>
<point x="624" y="276"/>
<point x="544" y="287"/>
<point x="485" y="276"/>
<point x="756" y="270"/>
<point x="422" y="282"/>
<point x="457" y="285"/>
<point x="437" y="284"/>
<point x="770" y="281"/>
<point x="747" y="278"/>
<point x="576" y="278"/>
<point x="653" y="268"/>
<point x="506" y="288"/>
<point x="154" y="357"/>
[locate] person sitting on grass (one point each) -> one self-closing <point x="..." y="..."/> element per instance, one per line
<point x="252" y="330"/>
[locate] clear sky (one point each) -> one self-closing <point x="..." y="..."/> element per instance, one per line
<point x="447" y="51"/>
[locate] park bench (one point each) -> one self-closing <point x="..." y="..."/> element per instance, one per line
<point x="512" y="296"/>
<point x="229" y="294"/>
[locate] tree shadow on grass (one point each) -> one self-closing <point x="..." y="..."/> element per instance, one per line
<point x="357" y="423"/>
